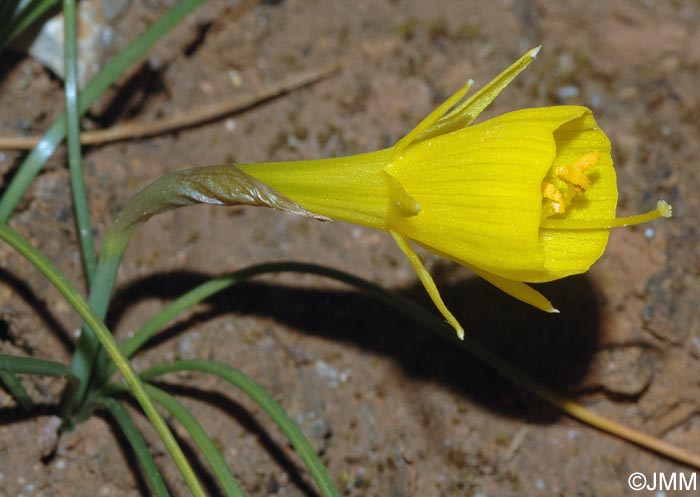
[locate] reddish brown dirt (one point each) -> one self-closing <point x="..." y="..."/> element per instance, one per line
<point x="394" y="410"/>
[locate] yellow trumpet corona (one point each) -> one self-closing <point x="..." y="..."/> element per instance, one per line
<point x="529" y="196"/>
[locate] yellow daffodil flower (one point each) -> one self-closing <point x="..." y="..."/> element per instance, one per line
<point x="528" y="196"/>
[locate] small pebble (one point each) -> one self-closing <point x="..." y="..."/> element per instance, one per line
<point x="567" y="92"/>
<point x="235" y="78"/>
<point x="332" y="376"/>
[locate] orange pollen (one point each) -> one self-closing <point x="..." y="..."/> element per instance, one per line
<point x="574" y="174"/>
<point x="550" y="192"/>
<point x="575" y="180"/>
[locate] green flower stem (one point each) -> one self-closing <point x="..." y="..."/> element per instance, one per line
<point x="269" y="405"/>
<point x="105" y="275"/>
<point x="36" y="159"/>
<point x="215" y="185"/>
<point x="200" y="437"/>
<point x="75" y="166"/>
<point x="88" y="316"/>
<point x="138" y="444"/>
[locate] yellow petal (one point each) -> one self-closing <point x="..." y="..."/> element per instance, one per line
<point x="432" y="118"/>
<point x="479" y="189"/>
<point x="427" y="281"/>
<point x="570" y="252"/>
<point x="521" y="291"/>
<point x="466" y="112"/>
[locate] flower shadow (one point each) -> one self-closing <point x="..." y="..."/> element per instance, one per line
<point x="554" y="349"/>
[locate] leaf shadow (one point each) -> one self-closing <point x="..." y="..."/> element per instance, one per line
<point x="554" y="349"/>
<point x="21" y="289"/>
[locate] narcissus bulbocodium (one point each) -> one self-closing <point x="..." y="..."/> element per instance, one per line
<point x="528" y="196"/>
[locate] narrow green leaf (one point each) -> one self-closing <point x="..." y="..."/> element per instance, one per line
<point x="149" y="329"/>
<point x="30" y="365"/>
<point x="83" y="359"/>
<point x="216" y="285"/>
<point x="16" y="389"/>
<point x="269" y="405"/>
<point x="75" y="163"/>
<point x="201" y="438"/>
<point x="73" y="297"/>
<point x="201" y="293"/>
<point x="7" y="17"/>
<point x="36" y="159"/>
<point x="25" y="14"/>
<point x="135" y="439"/>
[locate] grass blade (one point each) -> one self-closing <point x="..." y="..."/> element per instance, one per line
<point x="7" y="17"/>
<point x="138" y="444"/>
<point x="269" y="405"/>
<point x="198" y="294"/>
<point x="201" y="438"/>
<point x="30" y="365"/>
<point x="73" y="297"/>
<point x="75" y="163"/>
<point x="436" y="325"/>
<point x="110" y="258"/>
<point x="11" y="365"/>
<point x="36" y="159"/>
<point x="25" y="14"/>
<point x="14" y="386"/>
<point x="159" y="320"/>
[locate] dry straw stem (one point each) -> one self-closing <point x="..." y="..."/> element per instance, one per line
<point x="620" y="430"/>
<point x="187" y="119"/>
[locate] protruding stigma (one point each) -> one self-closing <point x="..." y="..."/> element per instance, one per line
<point x="663" y="209"/>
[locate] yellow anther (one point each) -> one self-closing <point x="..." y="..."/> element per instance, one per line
<point x="557" y="202"/>
<point x="549" y="191"/>
<point x="574" y="174"/>
<point x="586" y="161"/>
<point x="574" y="177"/>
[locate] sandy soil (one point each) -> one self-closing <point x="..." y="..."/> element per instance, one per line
<point x="393" y="410"/>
